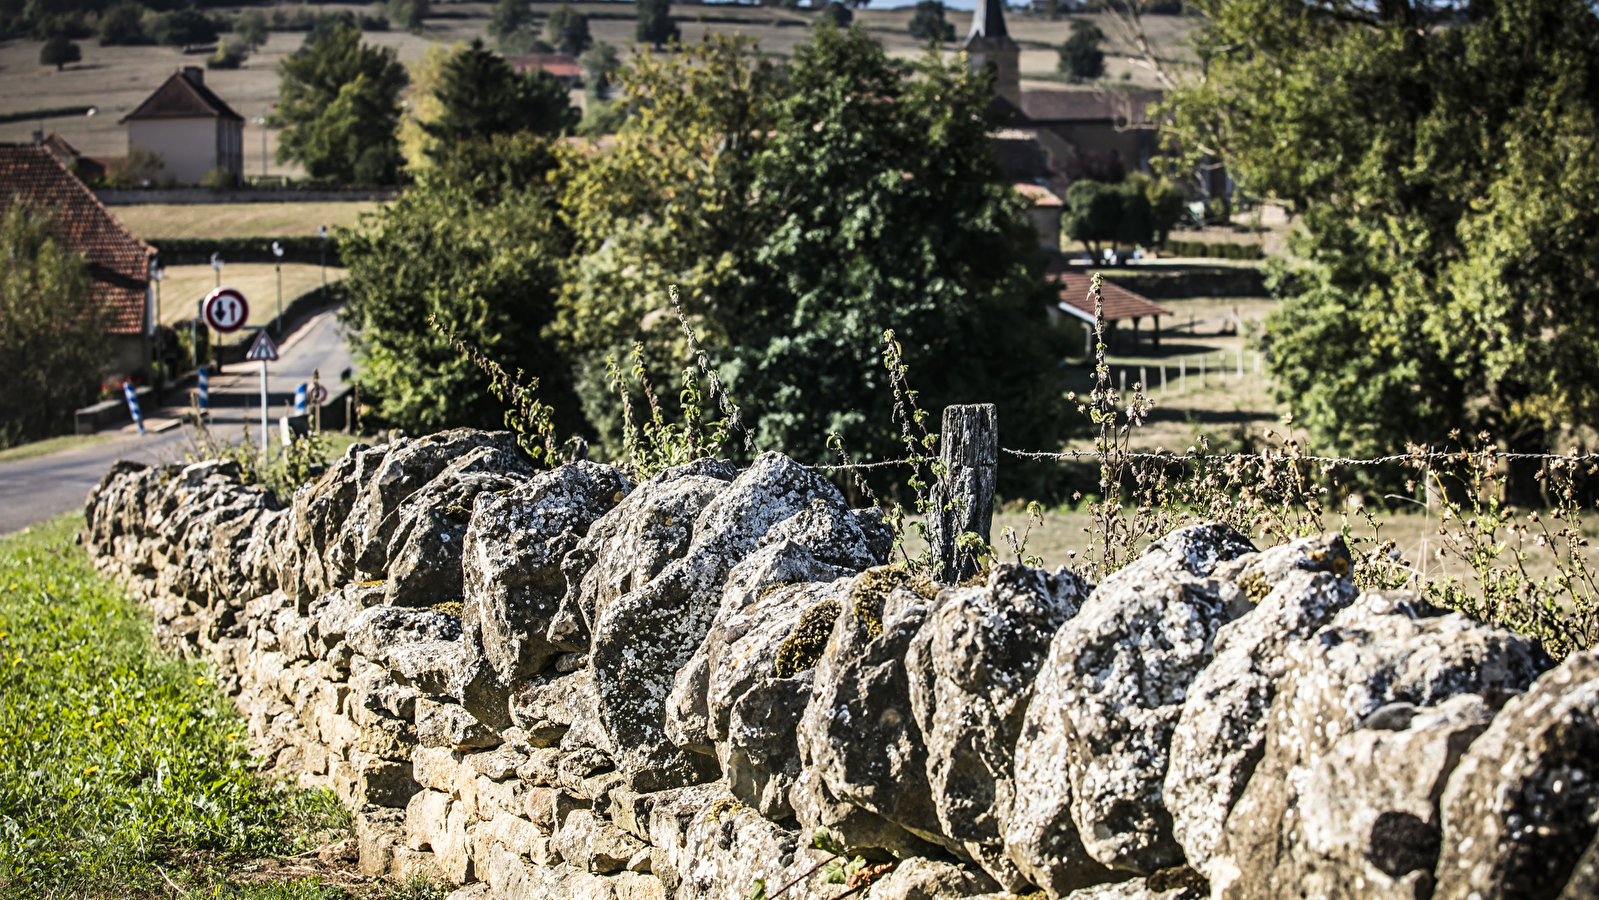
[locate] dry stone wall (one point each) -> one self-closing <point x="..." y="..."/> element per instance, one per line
<point x="563" y="684"/>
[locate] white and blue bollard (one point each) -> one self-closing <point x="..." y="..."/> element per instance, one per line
<point x="133" y="405"/>
<point x="299" y="400"/>
<point x="205" y="389"/>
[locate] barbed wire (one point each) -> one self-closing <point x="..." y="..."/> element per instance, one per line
<point x="1168" y="456"/>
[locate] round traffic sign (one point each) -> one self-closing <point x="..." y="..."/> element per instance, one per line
<point x="319" y="394"/>
<point x="226" y="310"/>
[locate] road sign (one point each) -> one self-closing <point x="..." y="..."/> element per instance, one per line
<point x="226" y="310"/>
<point x="319" y="394"/>
<point x="264" y="349"/>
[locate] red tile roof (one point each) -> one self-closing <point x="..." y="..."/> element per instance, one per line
<point x="1040" y="195"/>
<point x="558" y="64"/>
<point x="119" y="263"/>
<point x="1119" y="302"/>
<point x="183" y="97"/>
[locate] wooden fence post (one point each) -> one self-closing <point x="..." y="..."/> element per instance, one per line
<point x="963" y="501"/>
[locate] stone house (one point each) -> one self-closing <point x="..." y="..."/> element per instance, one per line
<point x="119" y="263"/>
<point x="192" y="129"/>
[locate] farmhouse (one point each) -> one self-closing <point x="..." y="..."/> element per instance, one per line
<point x="119" y="263"/>
<point x="190" y="127"/>
<point x="565" y="68"/>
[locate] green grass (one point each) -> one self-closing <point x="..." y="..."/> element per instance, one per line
<point x="47" y="446"/>
<point x="121" y="766"/>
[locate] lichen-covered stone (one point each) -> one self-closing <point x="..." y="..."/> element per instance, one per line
<point x="374" y="631"/>
<point x="642" y="638"/>
<point x="971" y="668"/>
<point x="1299" y="586"/>
<point x="1106" y="704"/>
<point x="1521" y="812"/>
<point x="512" y="559"/>
<point x="1376" y="655"/>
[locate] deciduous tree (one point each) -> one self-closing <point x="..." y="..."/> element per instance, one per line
<point x="338" y="106"/>
<point x="480" y="95"/>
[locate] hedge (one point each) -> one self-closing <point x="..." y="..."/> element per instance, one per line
<point x="1218" y="250"/>
<point x="197" y="251"/>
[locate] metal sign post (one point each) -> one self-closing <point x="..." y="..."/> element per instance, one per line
<point x="205" y="389"/>
<point x="265" y="351"/>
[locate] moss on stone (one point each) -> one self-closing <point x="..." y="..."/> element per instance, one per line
<point x="1254" y="584"/>
<point x="804" y="647"/>
<point x="449" y="607"/>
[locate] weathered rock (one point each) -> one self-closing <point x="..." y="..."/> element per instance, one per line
<point x="864" y="832"/>
<point x="642" y="638"/>
<point x="652" y="526"/>
<point x="424" y="552"/>
<point x="971" y="669"/>
<point x="1379" y="653"/>
<point x="1521" y="812"/>
<point x="378" y="830"/>
<point x="759" y="615"/>
<point x="406" y="467"/>
<point x="548" y="808"/>
<point x="512" y="559"/>
<point x="588" y="842"/>
<point x="374" y="631"/>
<point x="1299" y="587"/>
<point x="547" y="710"/>
<point x="425" y="666"/>
<point x="1369" y="813"/>
<point x="859" y="731"/>
<point x="927" y="879"/>
<point x="759" y="758"/>
<point x="1093" y="750"/>
<point x="448" y="725"/>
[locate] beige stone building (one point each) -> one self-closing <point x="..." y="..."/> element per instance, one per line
<point x="192" y="129"/>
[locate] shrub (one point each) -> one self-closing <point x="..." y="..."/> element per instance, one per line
<point x="230" y="55"/>
<point x="1080" y="56"/>
<point x="928" y="22"/>
<point x="58" y="51"/>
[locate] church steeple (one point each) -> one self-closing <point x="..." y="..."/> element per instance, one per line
<point x="989" y="43"/>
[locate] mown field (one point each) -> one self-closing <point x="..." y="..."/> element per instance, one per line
<point x="230" y="220"/>
<point x="184" y="287"/>
<point x="124" y="772"/>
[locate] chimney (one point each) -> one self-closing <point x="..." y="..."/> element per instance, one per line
<point x="38" y="139"/>
<point x="195" y="75"/>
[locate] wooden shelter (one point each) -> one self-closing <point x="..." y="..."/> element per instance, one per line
<point x="1118" y="304"/>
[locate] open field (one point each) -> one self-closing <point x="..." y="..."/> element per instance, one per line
<point x="115" y="80"/>
<point x="185" y="286"/>
<point x="229" y="220"/>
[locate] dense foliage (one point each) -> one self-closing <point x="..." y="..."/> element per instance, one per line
<point x="1081" y="59"/>
<point x="568" y="30"/>
<point x="802" y="214"/>
<point x="928" y="22"/>
<point x="1446" y="163"/>
<point x="1137" y="211"/>
<point x="52" y="335"/>
<point x="58" y="51"/>
<point x="655" y="26"/>
<point x="479" y="95"/>
<point x="338" y="106"/>
<point x="474" y="247"/>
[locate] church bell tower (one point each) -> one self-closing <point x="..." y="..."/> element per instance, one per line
<point x="990" y="44"/>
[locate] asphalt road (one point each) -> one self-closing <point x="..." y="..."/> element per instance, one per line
<point x="32" y="490"/>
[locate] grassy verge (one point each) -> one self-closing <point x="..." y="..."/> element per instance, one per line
<point x="47" y="446"/>
<point x="123" y="771"/>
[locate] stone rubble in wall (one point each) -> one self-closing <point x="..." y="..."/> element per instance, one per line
<point x="564" y="684"/>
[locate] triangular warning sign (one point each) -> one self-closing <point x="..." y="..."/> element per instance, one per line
<point x="263" y="350"/>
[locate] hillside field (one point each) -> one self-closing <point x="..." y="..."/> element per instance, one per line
<point x="115" y="80"/>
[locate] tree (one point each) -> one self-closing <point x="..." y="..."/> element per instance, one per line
<point x="1080" y="56"/>
<point x="1446" y="170"/>
<point x="123" y="24"/>
<point x="475" y="246"/>
<point x="251" y="28"/>
<point x="837" y="14"/>
<point x="52" y="333"/>
<point x="600" y="63"/>
<point x="802" y="220"/>
<point x="480" y="95"/>
<point x="338" y="106"/>
<point x="655" y="26"/>
<point x="928" y="22"/>
<point x="510" y="17"/>
<point x="568" y="29"/>
<point x="408" y="14"/>
<point x="184" y="28"/>
<point x="230" y="54"/>
<point x="58" y="51"/>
